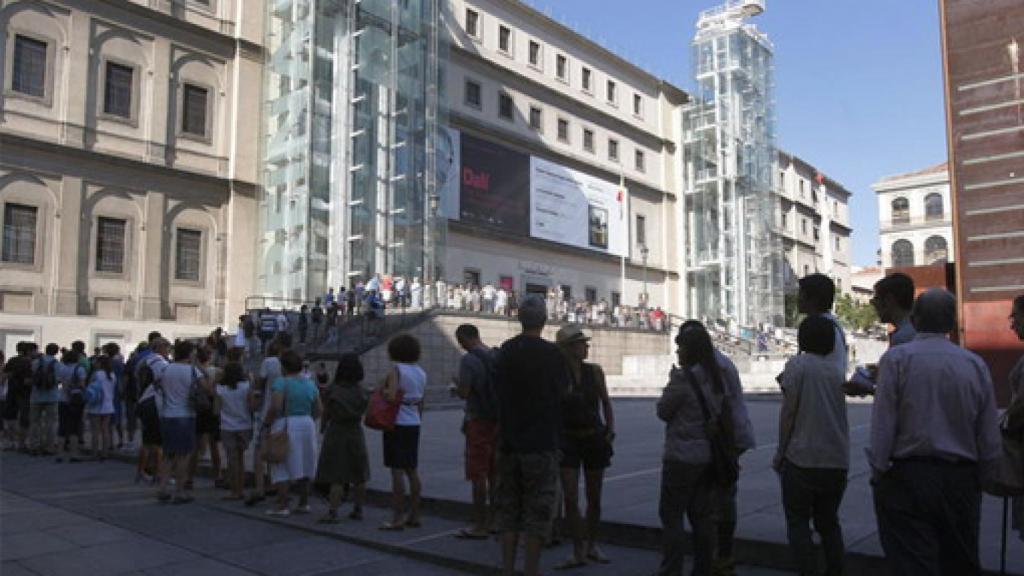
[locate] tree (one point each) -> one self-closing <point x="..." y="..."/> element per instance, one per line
<point x="854" y="314"/>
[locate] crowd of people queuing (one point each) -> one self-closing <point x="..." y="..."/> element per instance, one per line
<point x="537" y="414"/>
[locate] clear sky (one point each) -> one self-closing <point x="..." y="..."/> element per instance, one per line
<point x="858" y="82"/>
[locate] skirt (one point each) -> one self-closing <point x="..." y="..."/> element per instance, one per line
<point x="402" y="447"/>
<point x="343" y="456"/>
<point x="302" y="449"/>
<point x="178" y="436"/>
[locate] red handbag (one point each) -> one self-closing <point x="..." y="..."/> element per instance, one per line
<point x="381" y="414"/>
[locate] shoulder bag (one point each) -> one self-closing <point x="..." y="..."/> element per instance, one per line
<point x="382" y="413"/>
<point x="277" y="442"/>
<point x="725" y="462"/>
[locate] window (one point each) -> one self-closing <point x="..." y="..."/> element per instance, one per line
<point x="639" y="160"/>
<point x="936" y="251"/>
<point x="616" y="299"/>
<point x="591" y="294"/>
<point x="902" y="253"/>
<point x="588" y="140"/>
<point x="563" y="130"/>
<point x="641" y="230"/>
<point x="28" y="75"/>
<point x="817" y="234"/>
<point x="473" y="94"/>
<point x="807" y="269"/>
<point x="506" y="106"/>
<point x="472" y="23"/>
<point x="802" y="187"/>
<point x="187" y="254"/>
<point x="585" y="79"/>
<point x="803" y="226"/>
<point x="900" y="211"/>
<point x="471" y="277"/>
<point x="117" y="91"/>
<point x="505" y="39"/>
<point x="561" y="67"/>
<point x="193" y="110"/>
<point x="613" y="149"/>
<point x="782" y="180"/>
<point x="638" y="104"/>
<point x="110" y="241"/>
<point x="19" y="233"/>
<point x="535" y="119"/>
<point x="837" y="244"/>
<point x="933" y="209"/>
<point x="611" y="92"/>
<point x="835" y="208"/>
<point x="534" y="53"/>
<point x="785" y="224"/>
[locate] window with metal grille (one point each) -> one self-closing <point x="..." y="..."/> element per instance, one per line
<point x="902" y="253"/>
<point x="19" y="233"/>
<point x="110" y="240"/>
<point x="28" y="75"/>
<point x="933" y="207"/>
<point x="193" y="110"/>
<point x="117" y="92"/>
<point x="188" y="254"/>
<point x="900" y="210"/>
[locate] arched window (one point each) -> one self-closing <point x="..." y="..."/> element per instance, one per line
<point x="936" y="250"/>
<point x="900" y="211"/>
<point x="933" y="208"/>
<point x="902" y="253"/>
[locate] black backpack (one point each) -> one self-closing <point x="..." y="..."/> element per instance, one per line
<point x="488" y="393"/>
<point x="45" y="377"/>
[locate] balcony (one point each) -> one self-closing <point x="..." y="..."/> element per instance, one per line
<point x="915" y="222"/>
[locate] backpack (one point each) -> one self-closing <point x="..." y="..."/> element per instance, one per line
<point x="487" y="395"/>
<point x="45" y="377"/>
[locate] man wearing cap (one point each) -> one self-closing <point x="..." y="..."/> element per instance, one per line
<point x="531" y="378"/>
<point x="586" y="441"/>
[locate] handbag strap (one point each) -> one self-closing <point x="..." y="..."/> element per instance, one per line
<point x="701" y="399"/>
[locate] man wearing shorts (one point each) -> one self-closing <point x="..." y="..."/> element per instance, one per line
<point x="475" y="385"/>
<point x="531" y="378"/>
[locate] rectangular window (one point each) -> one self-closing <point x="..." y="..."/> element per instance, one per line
<point x="117" y="93"/>
<point x="785" y="224"/>
<point x="803" y="226"/>
<point x="535" y="118"/>
<point x="801" y="188"/>
<point x="638" y="104"/>
<point x="563" y="130"/>
<point x="613" y="150"/>
<point x="616" y="299"/>
<point x="472" y="23"/>
<point x="193" y="110"/>
<point x="641" y="230"/>
<point x="19" y="233"/>
<point x="29" y="72"/>
<point x="585" y="79"/>
<point x="837" y="244"/>
<point x="817" y="234"/>
<point x="639" y="160"/>
<point x="110" y="240"/>
<point x="506" y="107"/>
<point x="611" y="94"/>
<point x="471" y="277"/>
<point x="534" y="53"/>
<point x="473" y="94"/>
<point x="505" y="39"/>
<point x="187" y="254"/>
<point x="588" y="140"/>
<point x="561" y="67"/>
<point x="590" y="294"/>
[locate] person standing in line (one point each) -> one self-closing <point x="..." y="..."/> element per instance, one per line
<point x="303" y="324"/>
<point x="588" y="430"/>
<point x="178" y="420"/>
<point x="19" y="392"/>
<point x="207" y="423"/>
<point x="1015" y="412"/>
<point x="475" y="384"/>
<point x="102" y="393"/>
<point x="43" y="402"/>
<point x="892" y="300"/>
<point x="401" y="445"/>
<point x="235" y="405"/>
<point x="815" y="298"/>
<point x="813" y="453"/>
<point x="934" y="436"/>
<point x="148" y="371"/>
<point x="344" y="460"/>
<point x="295" y="405"/>
<point x="686" y="478"/>
<point x="4" y="429"/>
<point x="532" y="377"/>
<point x="268" y="327"/>
<point x="269" y="372"/>
<point x="71" y="405"/>
<point x="316" y="318"/>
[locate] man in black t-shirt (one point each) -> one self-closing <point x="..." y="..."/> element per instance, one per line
<point x="531" y="378"/>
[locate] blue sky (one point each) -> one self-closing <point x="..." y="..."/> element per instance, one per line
<point x="858" y="82"/>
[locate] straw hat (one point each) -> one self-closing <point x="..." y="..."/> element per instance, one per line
<point x="570" y="334"/>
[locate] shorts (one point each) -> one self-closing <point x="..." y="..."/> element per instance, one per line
<point x="208" y="423"/>
<point x="402" y="447"/>
<point x="18" y="408"/>
<point x="481" y="444"/>
<point x="235" y="440"/>
<point x="69" y="420"/>
<point x="149" y="417"/>
<point x="525" y="496"/>
<point x="592" y="451"/>
<point x="178" y="436"/>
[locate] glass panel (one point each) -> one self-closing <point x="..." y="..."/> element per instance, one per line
<point x="29" y="71"/>
<point x="187" y="254"/>
<point x="933" y="208"/>
<point x="110" y="240"/>
<point x="193" y="110"/>
<point x="19" y="234"/>
<point x="117" y="95"/>
<point x="902" y="253"/>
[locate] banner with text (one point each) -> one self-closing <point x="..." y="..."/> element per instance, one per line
<point x="494" y="186"/>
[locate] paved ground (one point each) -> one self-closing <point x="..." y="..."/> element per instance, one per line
<point x="87" y="518"/>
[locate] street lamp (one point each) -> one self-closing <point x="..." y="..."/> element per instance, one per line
<point x="644" y="251"/>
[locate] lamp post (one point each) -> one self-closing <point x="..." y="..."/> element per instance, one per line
<point x="644" y="251"/>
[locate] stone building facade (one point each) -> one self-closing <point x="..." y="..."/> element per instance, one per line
<point x="915" y="218"/>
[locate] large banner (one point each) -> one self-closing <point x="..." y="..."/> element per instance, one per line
<point x="571" y="207"/>
<point x="449" y="168"/>
<point x="494" y="186"/>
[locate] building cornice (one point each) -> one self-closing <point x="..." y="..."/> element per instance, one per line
<point x="911" y="182"/>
